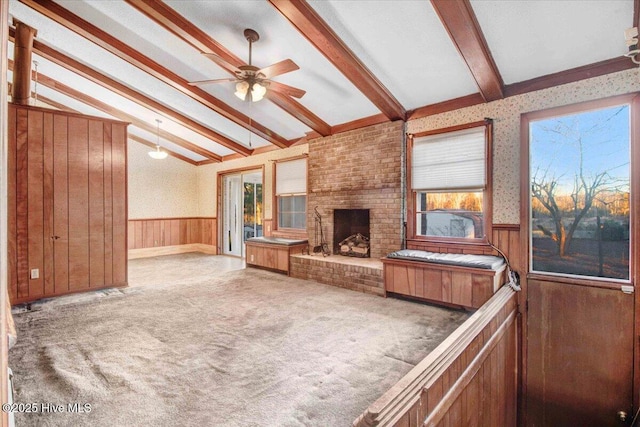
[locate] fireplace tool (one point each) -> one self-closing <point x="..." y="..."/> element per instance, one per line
<point x="319" y="235"/>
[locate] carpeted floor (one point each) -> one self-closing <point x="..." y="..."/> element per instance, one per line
<point x="243" y="348"/>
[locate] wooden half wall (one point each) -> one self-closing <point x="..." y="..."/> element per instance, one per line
<point x="469" y="379"/>
<point x="172" y="235"/>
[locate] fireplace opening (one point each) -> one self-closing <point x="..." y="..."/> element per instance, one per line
<point x="351" y="232"/>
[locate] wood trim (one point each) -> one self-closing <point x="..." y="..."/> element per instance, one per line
<point x="596" y="69"/>
<point x="256" y="151"/>
<point x="451" y="129"/>
<point x="317" y="31"/>
<point x="120" y="49"/>
<point x="635" y="218"/>
<point x="5" y="205"/>
<point x="487" y="198"/>
<point x="460" y="22"/>
<point x="360" y="123"/>
<point x="172" y="21"/>
<point x="445" y="106"/>
<point x="346" y="127"/>
<point x="171" y="250"/>
<point x="563" y="77"/>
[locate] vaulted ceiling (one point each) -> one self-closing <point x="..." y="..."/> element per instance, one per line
<point x="360" y="62"/>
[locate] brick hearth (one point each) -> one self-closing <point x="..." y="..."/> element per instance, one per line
<point x="358" y="274"/>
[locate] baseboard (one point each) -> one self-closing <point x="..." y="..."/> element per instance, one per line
<point x="171" y="250"/>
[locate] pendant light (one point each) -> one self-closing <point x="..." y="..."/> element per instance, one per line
<point x="157" y="153"/>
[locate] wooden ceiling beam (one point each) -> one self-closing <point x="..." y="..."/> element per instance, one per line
<point x="77" y="67"/>
<point x="163" y="15"/>
<point x="460" y="21"/>
<point x="119" y="114"/>
<point x="320" y="35"/>
<point x="300" y="112"/>
<point x="123" y="51"/>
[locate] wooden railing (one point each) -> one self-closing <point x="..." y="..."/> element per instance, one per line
<point x="469" y="379"/>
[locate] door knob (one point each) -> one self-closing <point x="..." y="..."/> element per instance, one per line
<point x="622" y="416"/>
<point x="55" y="237"/>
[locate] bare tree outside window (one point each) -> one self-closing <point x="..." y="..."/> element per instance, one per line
<point x="580" y="193"/>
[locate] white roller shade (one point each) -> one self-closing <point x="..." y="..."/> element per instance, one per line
<point x="454" y="160"/>
<point x="291" y="177"/>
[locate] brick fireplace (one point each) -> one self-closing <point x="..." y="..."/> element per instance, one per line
<point x="359" y="170"/>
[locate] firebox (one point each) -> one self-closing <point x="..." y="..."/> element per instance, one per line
<point x="351" y="232"/>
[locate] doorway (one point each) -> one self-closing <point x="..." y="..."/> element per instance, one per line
<point x="242" y="198"/>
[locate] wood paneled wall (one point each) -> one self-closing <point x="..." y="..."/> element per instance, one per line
<point x="469" y="379"/>
<point x="67" y="203"/>
<point x="158" y="232"/>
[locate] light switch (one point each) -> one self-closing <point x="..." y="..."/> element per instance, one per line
<point x="35" y="273"/>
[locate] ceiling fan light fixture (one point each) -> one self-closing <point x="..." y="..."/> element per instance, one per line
<point x="241" y="90"/>
<point x="257" y="92"/>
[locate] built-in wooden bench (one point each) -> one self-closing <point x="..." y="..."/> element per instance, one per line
<point x="273" y="252"/>
<point x="452" y="279"/>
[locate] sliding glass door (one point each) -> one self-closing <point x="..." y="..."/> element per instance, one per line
<point x="242" y="210"/>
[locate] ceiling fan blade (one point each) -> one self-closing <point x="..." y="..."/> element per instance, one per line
<point x="222" y="62"/>
<point x="286" y="89"/>
<point x="279" y="68"/>
<point x="206" y="82"/>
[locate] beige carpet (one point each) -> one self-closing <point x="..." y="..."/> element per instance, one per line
<point x="246" y="348"/>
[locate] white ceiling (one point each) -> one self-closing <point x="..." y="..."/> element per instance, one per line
<point x="403" y="43"/>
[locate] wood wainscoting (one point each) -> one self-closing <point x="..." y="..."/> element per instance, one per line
<point x="469" y="379"/>
<point x="164" y="236"/>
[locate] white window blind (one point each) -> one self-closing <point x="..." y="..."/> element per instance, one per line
<point x="291" y="177"/>
<point x="453" y="160"/>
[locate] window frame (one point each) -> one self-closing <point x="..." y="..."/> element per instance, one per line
<point x="487" y="198"/>
<point x="287" y="231"/>
<point x="633" y="100"/>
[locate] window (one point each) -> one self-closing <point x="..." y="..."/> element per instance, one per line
<point x="579" y="190"/>
<point x="291" y="194"/>
<point x="450" y="180"/>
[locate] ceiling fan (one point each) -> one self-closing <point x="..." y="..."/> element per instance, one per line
<point x="252" y="82"/>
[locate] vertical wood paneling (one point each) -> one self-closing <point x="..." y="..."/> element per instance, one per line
<point x="35" y="196"/>
<point x="96" y="204"/>
<point x="108" y="205"/>
<point x="22" y="204"/>
<point x="119" y="188"/>
<point x="48" y="201"/>
<point x="60" y="204"/>
<point x="175" y="232"/>
<point x="12" y="254"/>
<point x="78" y="155"/>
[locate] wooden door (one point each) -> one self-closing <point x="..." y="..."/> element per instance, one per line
<point x="580" y="355"/>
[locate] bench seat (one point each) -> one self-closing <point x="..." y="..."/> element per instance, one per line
<point x="273" y="252"/>
<point x="462" y="280"/>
